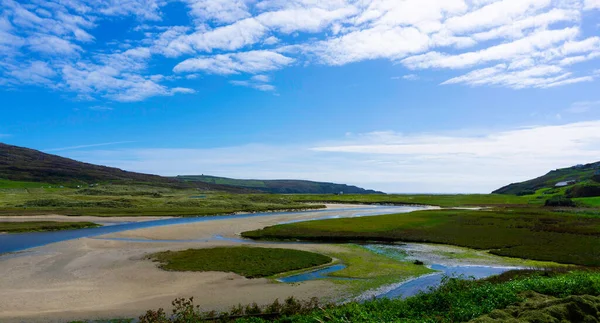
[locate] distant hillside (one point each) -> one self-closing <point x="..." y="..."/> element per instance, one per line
<point x="574" y="178"/>
<point x="23" y="164"/>
<point x="280" y="186"/>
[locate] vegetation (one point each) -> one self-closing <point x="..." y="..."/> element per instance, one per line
<point x="584" y="190"/>
<point x="443" y="200"/>
<point x="532" y="233"/>
<point x="39" y="226"/>
<point x="133" y="200"/>
<point x="455" y="301"/>
<point x="280" y="186"/>
<point x="250" y="262"/>
<point x="579" y="173"/>
<point x="559" y="200"/>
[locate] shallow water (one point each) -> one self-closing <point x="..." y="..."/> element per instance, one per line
<point x="23" y="241"/>
<point x="424" y="283"/>
<point x="315" y="274"/>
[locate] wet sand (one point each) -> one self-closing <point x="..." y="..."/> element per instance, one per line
<point x="94" y="278"/>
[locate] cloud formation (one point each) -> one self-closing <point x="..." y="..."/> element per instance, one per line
<point x="504" y="43"/>
<point x="385" y="160"/>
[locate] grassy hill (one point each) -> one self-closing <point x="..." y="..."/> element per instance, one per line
<point x="280" y="186"/>
<point x="583" y="181"/>
<point x="21" y="167"/>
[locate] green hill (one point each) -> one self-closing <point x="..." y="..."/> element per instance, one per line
<point x="576" y="181"/>
<point x="280" y="186"/>
<point x="20" y="166"/>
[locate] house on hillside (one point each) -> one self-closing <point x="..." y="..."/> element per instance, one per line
<point x="565" y="183"/>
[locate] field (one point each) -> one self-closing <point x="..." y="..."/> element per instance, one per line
<point x="531" y="233"/>
<point x="133" y="200"/>
<point x="249" y="262"/>
<point x="38" y="226"/>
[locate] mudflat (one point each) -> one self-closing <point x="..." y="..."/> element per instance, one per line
<point x="102" y="278"/>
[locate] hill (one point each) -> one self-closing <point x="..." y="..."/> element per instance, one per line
<point x="280" y="186"/>
<point x="28" y="165"/>
<point x="575" y="180"/>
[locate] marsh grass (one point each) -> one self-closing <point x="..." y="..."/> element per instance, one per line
<point x="536" y="234"/>
<point x="40" y="226"/>
<point x="250" y="262"/>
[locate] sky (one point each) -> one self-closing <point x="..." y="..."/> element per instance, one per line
<point x="404" y="96"/>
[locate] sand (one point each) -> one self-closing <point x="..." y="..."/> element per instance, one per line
<point x="93" y="278"/>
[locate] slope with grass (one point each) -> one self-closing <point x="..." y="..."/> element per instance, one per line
<point x="280" y="186"/>
<point x="580" y="174"/>
<point x="18" y="164"/>
<point x="531" y="233"/>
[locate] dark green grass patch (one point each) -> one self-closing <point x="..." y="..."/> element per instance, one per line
<point x="524" y="233"/>
<point x="249" y="262"/>
<point x="39" y="226"/>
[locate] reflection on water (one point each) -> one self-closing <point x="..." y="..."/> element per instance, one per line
<point x="424" y="283"/>
<point x="316" y="274"/>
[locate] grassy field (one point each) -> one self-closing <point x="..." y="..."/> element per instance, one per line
<point x="250" y="262"/>
<point x="39" y="226"/>
<point x="133" y="200"/>
<point x="448" y="200"/>
<point x="531" y="233"/>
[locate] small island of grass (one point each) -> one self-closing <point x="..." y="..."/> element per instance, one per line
<point x="41" y="226"/>
<point x="250" y="262"/>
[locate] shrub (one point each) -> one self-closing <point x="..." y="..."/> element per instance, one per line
<point x="526" y="192"/>
<point x="584" y="190"/>
<point x="560" y="200"/>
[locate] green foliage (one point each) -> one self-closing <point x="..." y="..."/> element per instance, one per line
<point x="38" y="226"/>
<point x="184" y="311"/>
<point x="560" y="200"/>
<point x="584" y="190"/>
<point x="455" y="300"/>
<point x="524" y="233"/>
<point x="250" y="262"/>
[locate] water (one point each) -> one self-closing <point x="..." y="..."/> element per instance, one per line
<point x="24" y="241"/>
<point x="312" y="275"/>
<point x="424" y="283"/>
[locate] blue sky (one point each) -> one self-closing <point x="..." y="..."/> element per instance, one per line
<point x="395" y="95"/>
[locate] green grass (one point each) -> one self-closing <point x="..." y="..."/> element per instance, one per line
<point x="39" y="226"/>
<point x="134" y="200"/>
<point x="530" y="233"/>
<point x="4" y="183"/>
<point x="372" y="270"/>
<point x="446" y="200"/>
<point x="250" y="262"/>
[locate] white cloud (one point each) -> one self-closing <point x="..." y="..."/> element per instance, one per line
<point x="49" y="44"/>
<point x="384" y="160"/>
<point x="261" y="78"/>
<point x="255" y="85"/>
<point x="221" y="11"/>
<point x="411" y="77"/>
<point x="592" y="4"/>
<point x="243" y="62"/>
<point x="100" y="108"/>
<point x="583" y="106"/>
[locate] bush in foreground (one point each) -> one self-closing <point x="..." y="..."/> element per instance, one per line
<point x="455" y="301"/>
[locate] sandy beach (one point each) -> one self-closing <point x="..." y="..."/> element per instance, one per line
<point x="98" y="278"/>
